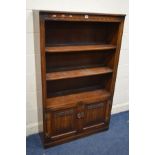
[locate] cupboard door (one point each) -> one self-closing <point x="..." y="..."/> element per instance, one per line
<point x="95" y="115"/>
<point x="60" y="123"/>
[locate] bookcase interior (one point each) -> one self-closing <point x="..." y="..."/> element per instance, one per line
<point x="80" y="33"/>
<point x="72" y="60"/>
<point x="76" y="85"/>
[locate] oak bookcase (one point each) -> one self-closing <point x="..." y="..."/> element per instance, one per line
<point x="79" y="60"/>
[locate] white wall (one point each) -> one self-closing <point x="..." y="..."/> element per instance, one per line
<point x="33" y="89"/>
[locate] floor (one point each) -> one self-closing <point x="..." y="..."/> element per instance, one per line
<point x="115" y="141"/>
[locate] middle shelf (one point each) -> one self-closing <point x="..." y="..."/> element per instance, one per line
<point x="76" y="48"/>
<point x="78" y="73"/>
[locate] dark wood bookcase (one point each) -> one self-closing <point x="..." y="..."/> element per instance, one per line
<point x="79" y="60"/>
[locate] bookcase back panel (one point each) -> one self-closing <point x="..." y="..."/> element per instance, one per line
<point x="68" y="61"/>
<point x="75" y="85"/>
<point x="67" y="33"/>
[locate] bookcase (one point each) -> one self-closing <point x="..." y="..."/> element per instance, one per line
<point x="79" y="60"/>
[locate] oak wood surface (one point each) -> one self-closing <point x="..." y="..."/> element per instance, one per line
<point x="78" y="60"/>
<point x="73" y="48"/>
<point x="43" y="75"/>
<point x="49" y="143"/>
<point x="77" y="73"/>
<point x="80" y="33"/>
<point x="73" y="99"/>
<point x="45" y="12"/>
<point x="71" y="16"/>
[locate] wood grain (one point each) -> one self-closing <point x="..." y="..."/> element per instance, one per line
<point x="78" y="73"/>
<point x="79" y="48"/>
<point x="71" y="100"/>
<point x="87" y="17"/>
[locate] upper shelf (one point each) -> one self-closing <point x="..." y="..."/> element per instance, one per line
<point x="78" y="73"/>
<point x="76" y="48"/>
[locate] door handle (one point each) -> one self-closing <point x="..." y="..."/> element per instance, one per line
<point x="80" y="115"/>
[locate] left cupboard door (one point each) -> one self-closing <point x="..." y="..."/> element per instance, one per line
<point x="60" y="123"/>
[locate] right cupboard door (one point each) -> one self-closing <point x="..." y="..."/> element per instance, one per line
<point x="96" y="115"/>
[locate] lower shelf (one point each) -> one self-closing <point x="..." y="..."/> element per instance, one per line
<point x="72" y="99"/>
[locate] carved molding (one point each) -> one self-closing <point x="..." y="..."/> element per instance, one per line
<point x="64" y="113"/>
<point x="94" y="106"/>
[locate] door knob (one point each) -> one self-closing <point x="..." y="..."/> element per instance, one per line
<point x="86" y="16"/>
<point x="80" y="115"/>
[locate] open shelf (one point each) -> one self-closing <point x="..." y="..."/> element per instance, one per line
<point x="76" y="48"/>
<point x="67" y="61"/>
<point x="80" y="33"/>
<point x="73" y="91"/>
<point x="76" y="85"/>
<point x="72" y="99"/>
<point x="77" y="73"/>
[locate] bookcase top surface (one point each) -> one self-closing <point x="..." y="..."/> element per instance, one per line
<point x="81" y="16"/>
<point x="46" y="12"/>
